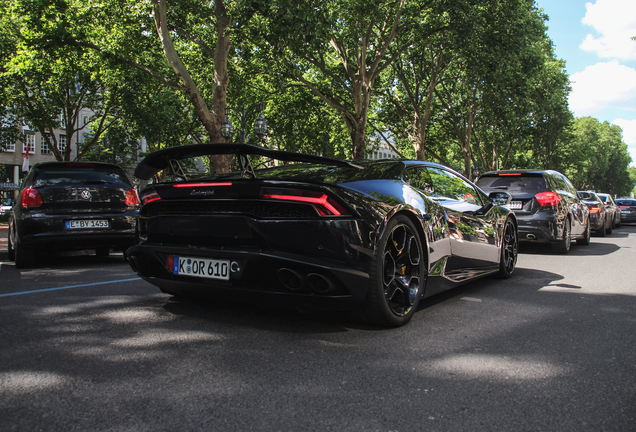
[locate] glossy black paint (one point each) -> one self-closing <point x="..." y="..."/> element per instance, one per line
<point x="42" y="228"/>
<point x="279" y="248"/>
<point x="537" y="223"/>
<point x="627" y="207"/>
<point x="612" y="208"/>
<point x="600" y="215"/>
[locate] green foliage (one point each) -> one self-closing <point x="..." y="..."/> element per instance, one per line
<point x="597" y="158"/>
<point x="468" y="83"/>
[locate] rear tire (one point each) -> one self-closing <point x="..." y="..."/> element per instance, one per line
<point x="563" y="246"/>
<point x="611" y="227"/>
<point x="509" y="250"/>
<point x="397" y="276"/>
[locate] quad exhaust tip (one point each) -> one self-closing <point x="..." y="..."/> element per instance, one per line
<point x="319" y="283"/>
<point x="531" y="237"/>
<point x="294" y="281"/>
<point x="291" y="279"/>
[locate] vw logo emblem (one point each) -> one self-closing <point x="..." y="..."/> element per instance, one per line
<point x="85" y="195"/>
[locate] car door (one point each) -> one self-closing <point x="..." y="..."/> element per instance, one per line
<point x="472" y="236"/>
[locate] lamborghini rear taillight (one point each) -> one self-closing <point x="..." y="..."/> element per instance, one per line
<point x="548" y="199"/>
<point x="31" y="198"/>
<point x="150" y="196"/>
<point x="595" y="209"/>
<point x="323" y="203"/>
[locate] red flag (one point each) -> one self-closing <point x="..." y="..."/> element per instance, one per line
<point x="25" y="161"/>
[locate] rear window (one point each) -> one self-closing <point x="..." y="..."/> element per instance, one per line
<point x="68" y="175"/>
<point x="514" y="183"/>
<point x="630" y="203"/>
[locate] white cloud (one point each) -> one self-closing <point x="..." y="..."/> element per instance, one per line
<point x="629" y="135"/>
<point x="603" y="85"/>
<point x="615" y="22"/>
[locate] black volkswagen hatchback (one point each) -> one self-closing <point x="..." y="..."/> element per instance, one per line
<point x="72" y="206"/>
<point x="546" y="204"/>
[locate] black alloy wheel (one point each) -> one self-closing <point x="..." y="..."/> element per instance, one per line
<point x="397" y="275"/>
<point x="509" y="250"/>
<point x="563" y="246"/>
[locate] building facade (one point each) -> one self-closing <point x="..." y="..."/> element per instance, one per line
<point x="380" y="149"/>
<point x="13" y="156"/>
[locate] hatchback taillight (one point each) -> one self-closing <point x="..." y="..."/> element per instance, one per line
<point x="548" y="199"/>
<point x="31" y="198"/>
<point x="132" y="199"/>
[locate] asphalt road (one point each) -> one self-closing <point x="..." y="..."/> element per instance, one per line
<point x="87" y="346"/>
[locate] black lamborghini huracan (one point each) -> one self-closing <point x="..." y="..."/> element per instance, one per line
<point x="374" y="236"/>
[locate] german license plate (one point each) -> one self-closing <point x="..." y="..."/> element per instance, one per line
<point x="515" y="205"/>
<point x="202" y="267"/>
<point x="87" y="223"/>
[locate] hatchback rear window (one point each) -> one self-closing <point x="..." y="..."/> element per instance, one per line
<point x="513" y="183"/>
<point x="63" y="175"/>
<point x="631" y="203"/>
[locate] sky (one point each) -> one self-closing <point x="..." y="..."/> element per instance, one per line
<point x="594" y="38"/>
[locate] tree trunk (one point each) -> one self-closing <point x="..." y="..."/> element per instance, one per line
<point x="210" y="122"/>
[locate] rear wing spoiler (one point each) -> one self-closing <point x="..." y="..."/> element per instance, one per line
<point x="162" y="159"/>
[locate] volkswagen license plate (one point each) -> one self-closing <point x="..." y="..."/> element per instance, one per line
<point x="202" y="267"/>
<point x="515" y="205"/>
<point x="87" y="223"/>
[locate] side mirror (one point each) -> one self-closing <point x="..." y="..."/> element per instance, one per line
<point x="500" y="198"/>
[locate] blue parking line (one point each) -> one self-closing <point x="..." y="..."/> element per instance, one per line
<point x="68" y="287"/>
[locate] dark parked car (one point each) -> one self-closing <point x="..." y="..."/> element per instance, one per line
<point x="600" y="216"/>
<point x="613" y="209"/>
<point x="628" y="209"/>
<point x="72" y="206"/>
<point x="374" y="236"/>
<point x="546" y="204"/>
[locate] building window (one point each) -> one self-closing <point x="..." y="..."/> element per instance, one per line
<point x="30" y="141"/>
<point x="44" y="147"/>
<point x="84" y="120"/>
<point x="10" y="147"/>
<point x="61" y="143"/>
